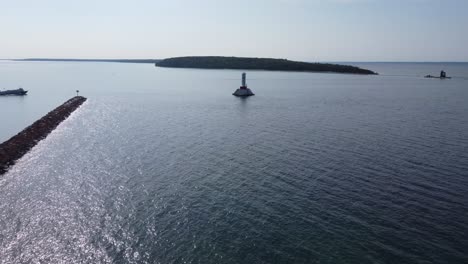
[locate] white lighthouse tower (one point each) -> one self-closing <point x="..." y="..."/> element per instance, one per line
<point x="243" y="90"/>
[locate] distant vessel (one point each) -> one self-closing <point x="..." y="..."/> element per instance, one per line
<point x="19" y="91"/>
<point x="243" y="90"/>
<point x="443" y="75"/>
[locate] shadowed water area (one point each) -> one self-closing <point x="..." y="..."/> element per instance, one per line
<point x="166" y="166"/>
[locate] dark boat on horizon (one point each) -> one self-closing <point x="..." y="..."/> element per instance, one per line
<point x="19" y="91"/>
<point x="443" y="75"/>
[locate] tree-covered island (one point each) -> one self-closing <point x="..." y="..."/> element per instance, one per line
<point x="241" y="63"/>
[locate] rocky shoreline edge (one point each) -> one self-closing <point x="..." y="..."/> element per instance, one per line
<point x="14" y="148"/>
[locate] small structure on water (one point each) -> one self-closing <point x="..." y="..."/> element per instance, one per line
<point x="19" y="91"/>
<point x="443" y="75"/>
<point x="243" y="90"/>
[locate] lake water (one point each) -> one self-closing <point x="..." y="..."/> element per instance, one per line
<point x="166" y="166"/>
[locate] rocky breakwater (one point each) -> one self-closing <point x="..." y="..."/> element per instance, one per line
<point x="14" y="148"/>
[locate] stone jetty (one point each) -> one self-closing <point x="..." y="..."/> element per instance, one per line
<point x="14" y="148"/>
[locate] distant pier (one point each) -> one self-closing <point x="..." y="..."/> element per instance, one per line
<point x="14" y="148"/>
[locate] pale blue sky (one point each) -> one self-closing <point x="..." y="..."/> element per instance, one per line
<point x="312" y="30"/>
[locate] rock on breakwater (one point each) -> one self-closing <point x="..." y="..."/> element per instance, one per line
<point x="14" y="148"/>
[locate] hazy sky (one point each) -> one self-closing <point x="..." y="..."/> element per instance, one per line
<point x="312" y="30"/>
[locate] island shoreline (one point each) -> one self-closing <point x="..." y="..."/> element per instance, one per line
<point x="266" y="64"/>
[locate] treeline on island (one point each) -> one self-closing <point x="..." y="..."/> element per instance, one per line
<point x="217" y="62"/>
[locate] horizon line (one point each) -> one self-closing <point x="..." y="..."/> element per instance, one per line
<point x="154" y="59"/>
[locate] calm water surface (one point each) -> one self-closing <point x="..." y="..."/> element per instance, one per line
<point x="166" y="166"/>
